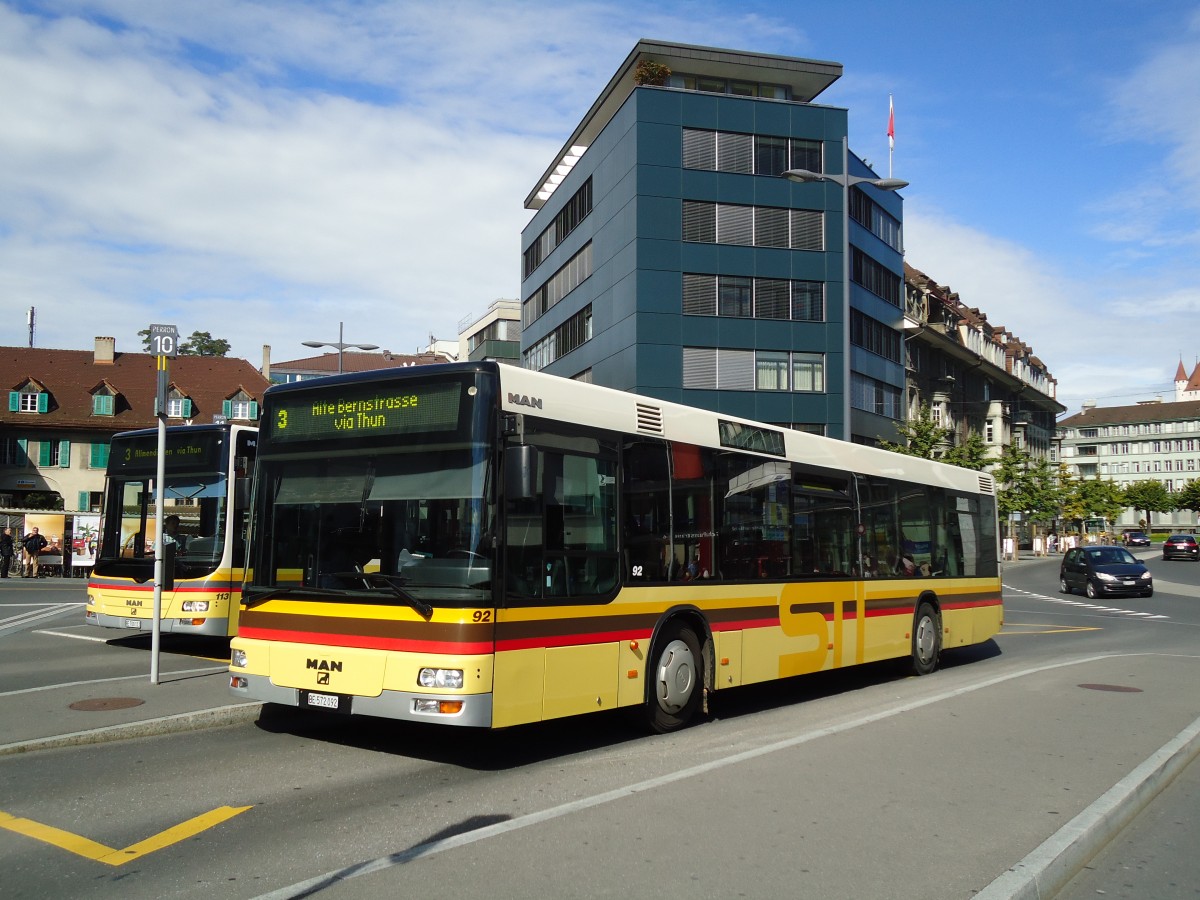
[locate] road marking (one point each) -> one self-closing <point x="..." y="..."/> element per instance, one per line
<point x="1133" y="613"/>
<point x="67" y="684"/>
<point x="89" y="849"/>
<point x="1046" y="630"/>
<point x="12" y="623"/>
<point x="79" y="637"/>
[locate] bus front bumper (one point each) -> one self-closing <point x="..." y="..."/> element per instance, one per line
<point x="217" y="627"/>
<point x="476" y="709"/>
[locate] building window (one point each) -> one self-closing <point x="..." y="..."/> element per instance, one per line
<point x="756" y="226"/>
<point x="771" y="370"/>
<point x="808" y="372"/>
<point x="573" y="333"/>
<point x="102" y="404"/>
<point x="98" y="456"/>
<point x="573" y="212"/>
<point x="874" y="396"/>
<point x="879" y="280"/>
<point x="240" y="407"/>
<point x="721" y="151"/>
<point x="179" y="406"/>
<point x="12" y="452"/>
<point x="712" y="85"/>
<point x="54" y="454"/>
<point x="28" y="400"/>
<point x="709" y="368"/>
<point x="576" y="270"/>
<point x="871" y="216"/>
<point x="734" y="297"/>
<point x="769" y="298"/>
<point x="873" y="336"/>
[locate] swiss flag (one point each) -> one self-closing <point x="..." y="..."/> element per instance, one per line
<point x="891" y="125"/>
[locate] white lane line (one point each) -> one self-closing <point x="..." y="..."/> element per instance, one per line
<point x="67" y="684"/>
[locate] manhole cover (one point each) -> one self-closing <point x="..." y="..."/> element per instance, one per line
<point x="1117" y="688"/>
<point x="100" y="704"/>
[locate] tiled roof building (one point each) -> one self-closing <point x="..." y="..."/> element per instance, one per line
<point x="1148" y="440"/>
<point x="64" y="406"/>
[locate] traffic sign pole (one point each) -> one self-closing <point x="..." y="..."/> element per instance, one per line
<point x="164" y="341"/>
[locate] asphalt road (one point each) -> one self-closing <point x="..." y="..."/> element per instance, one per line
<point x="863" y="783"/>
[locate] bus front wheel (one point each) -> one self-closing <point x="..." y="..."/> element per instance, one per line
<point x="926" y="639"/>
<point x="676" y="681"/>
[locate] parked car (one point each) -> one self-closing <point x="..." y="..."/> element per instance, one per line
<point x="1103" y="570"/>
<point x="1136" y="539"/>
<point x="1181" y="546"/>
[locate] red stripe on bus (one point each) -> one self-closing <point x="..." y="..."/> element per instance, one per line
<point x="359" y="642"/>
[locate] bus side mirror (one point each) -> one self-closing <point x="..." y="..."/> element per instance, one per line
<point x="241" y="493"/>
<point x="520" y="472"/>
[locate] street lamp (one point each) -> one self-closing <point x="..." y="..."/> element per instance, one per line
<point x="846" y="180"/>
<point x="340" y="346"/>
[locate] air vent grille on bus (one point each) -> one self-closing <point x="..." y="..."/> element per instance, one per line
<point x="649" y="419"/>
<point x="986" y="484"/>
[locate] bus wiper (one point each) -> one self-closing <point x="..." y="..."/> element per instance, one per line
<point x="252" y="600"/>
<point x="394" y="584"/>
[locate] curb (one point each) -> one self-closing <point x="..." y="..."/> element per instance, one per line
<point x="189" y="721"/>
<point x="1046" y="871"/>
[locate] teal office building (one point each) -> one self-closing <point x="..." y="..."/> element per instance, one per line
<point x="669" y="255"/>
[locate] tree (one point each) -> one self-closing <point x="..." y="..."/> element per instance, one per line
<point x="1189" y="497"/>
<point x="1149" y="496"/>
<point x="1100" y="498"/>
<point x="201" y="343"/>
<point x="925" y="438"/>
<point x="922" y="436"/>
<point x="970" y="454"/>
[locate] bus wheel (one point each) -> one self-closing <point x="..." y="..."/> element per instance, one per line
<point x="926" y="640"/>
<point x="676" y="680"/>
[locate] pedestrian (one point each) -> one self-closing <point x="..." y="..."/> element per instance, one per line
<point x="34" y="544"/>
<point x="7" y="550"/>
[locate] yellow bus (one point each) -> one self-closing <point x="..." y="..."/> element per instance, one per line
<point x="206" y="493"/>
<point x="483" y="545"/>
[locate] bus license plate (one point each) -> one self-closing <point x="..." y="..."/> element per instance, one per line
<point x="133" y="623"/>
<point x="335" y="702"/>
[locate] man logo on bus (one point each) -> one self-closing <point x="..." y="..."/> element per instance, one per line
<point x="324" y="665"/>
<point x="523" y="400"/>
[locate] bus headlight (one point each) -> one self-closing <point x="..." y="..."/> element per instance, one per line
<point x="195" y="606"/>
<point x="237" y="659"/>
<point x="441" y="678"/>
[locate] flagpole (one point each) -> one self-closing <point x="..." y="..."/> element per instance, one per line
<point x="891" y="133"/>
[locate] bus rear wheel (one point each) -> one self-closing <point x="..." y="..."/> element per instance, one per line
<point x="926" y="639"/>
<point x="676" y="681"/>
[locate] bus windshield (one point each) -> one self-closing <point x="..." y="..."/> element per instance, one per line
<point x="195" y="496"/>
<point x="401" y="524"/>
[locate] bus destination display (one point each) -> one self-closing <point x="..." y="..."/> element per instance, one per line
<point x="366" y="411"/>
<point x="140" y="454"/>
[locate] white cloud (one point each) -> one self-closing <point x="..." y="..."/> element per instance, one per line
<point x="1101" y="338"/>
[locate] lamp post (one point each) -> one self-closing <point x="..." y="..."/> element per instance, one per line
<point x="340" y="346"/>
<point x="847" y="181"/>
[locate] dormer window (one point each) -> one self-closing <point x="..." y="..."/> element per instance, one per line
<point x="240" y="406"/>
<point x="104" y="400"/>
<point x="30" y="398"/>
<point x="179" y="406"/>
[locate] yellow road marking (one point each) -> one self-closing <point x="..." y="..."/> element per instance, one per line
<point x="93" y="850"/>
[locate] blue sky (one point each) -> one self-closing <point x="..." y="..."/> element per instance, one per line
<point x="264" y="170"/>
